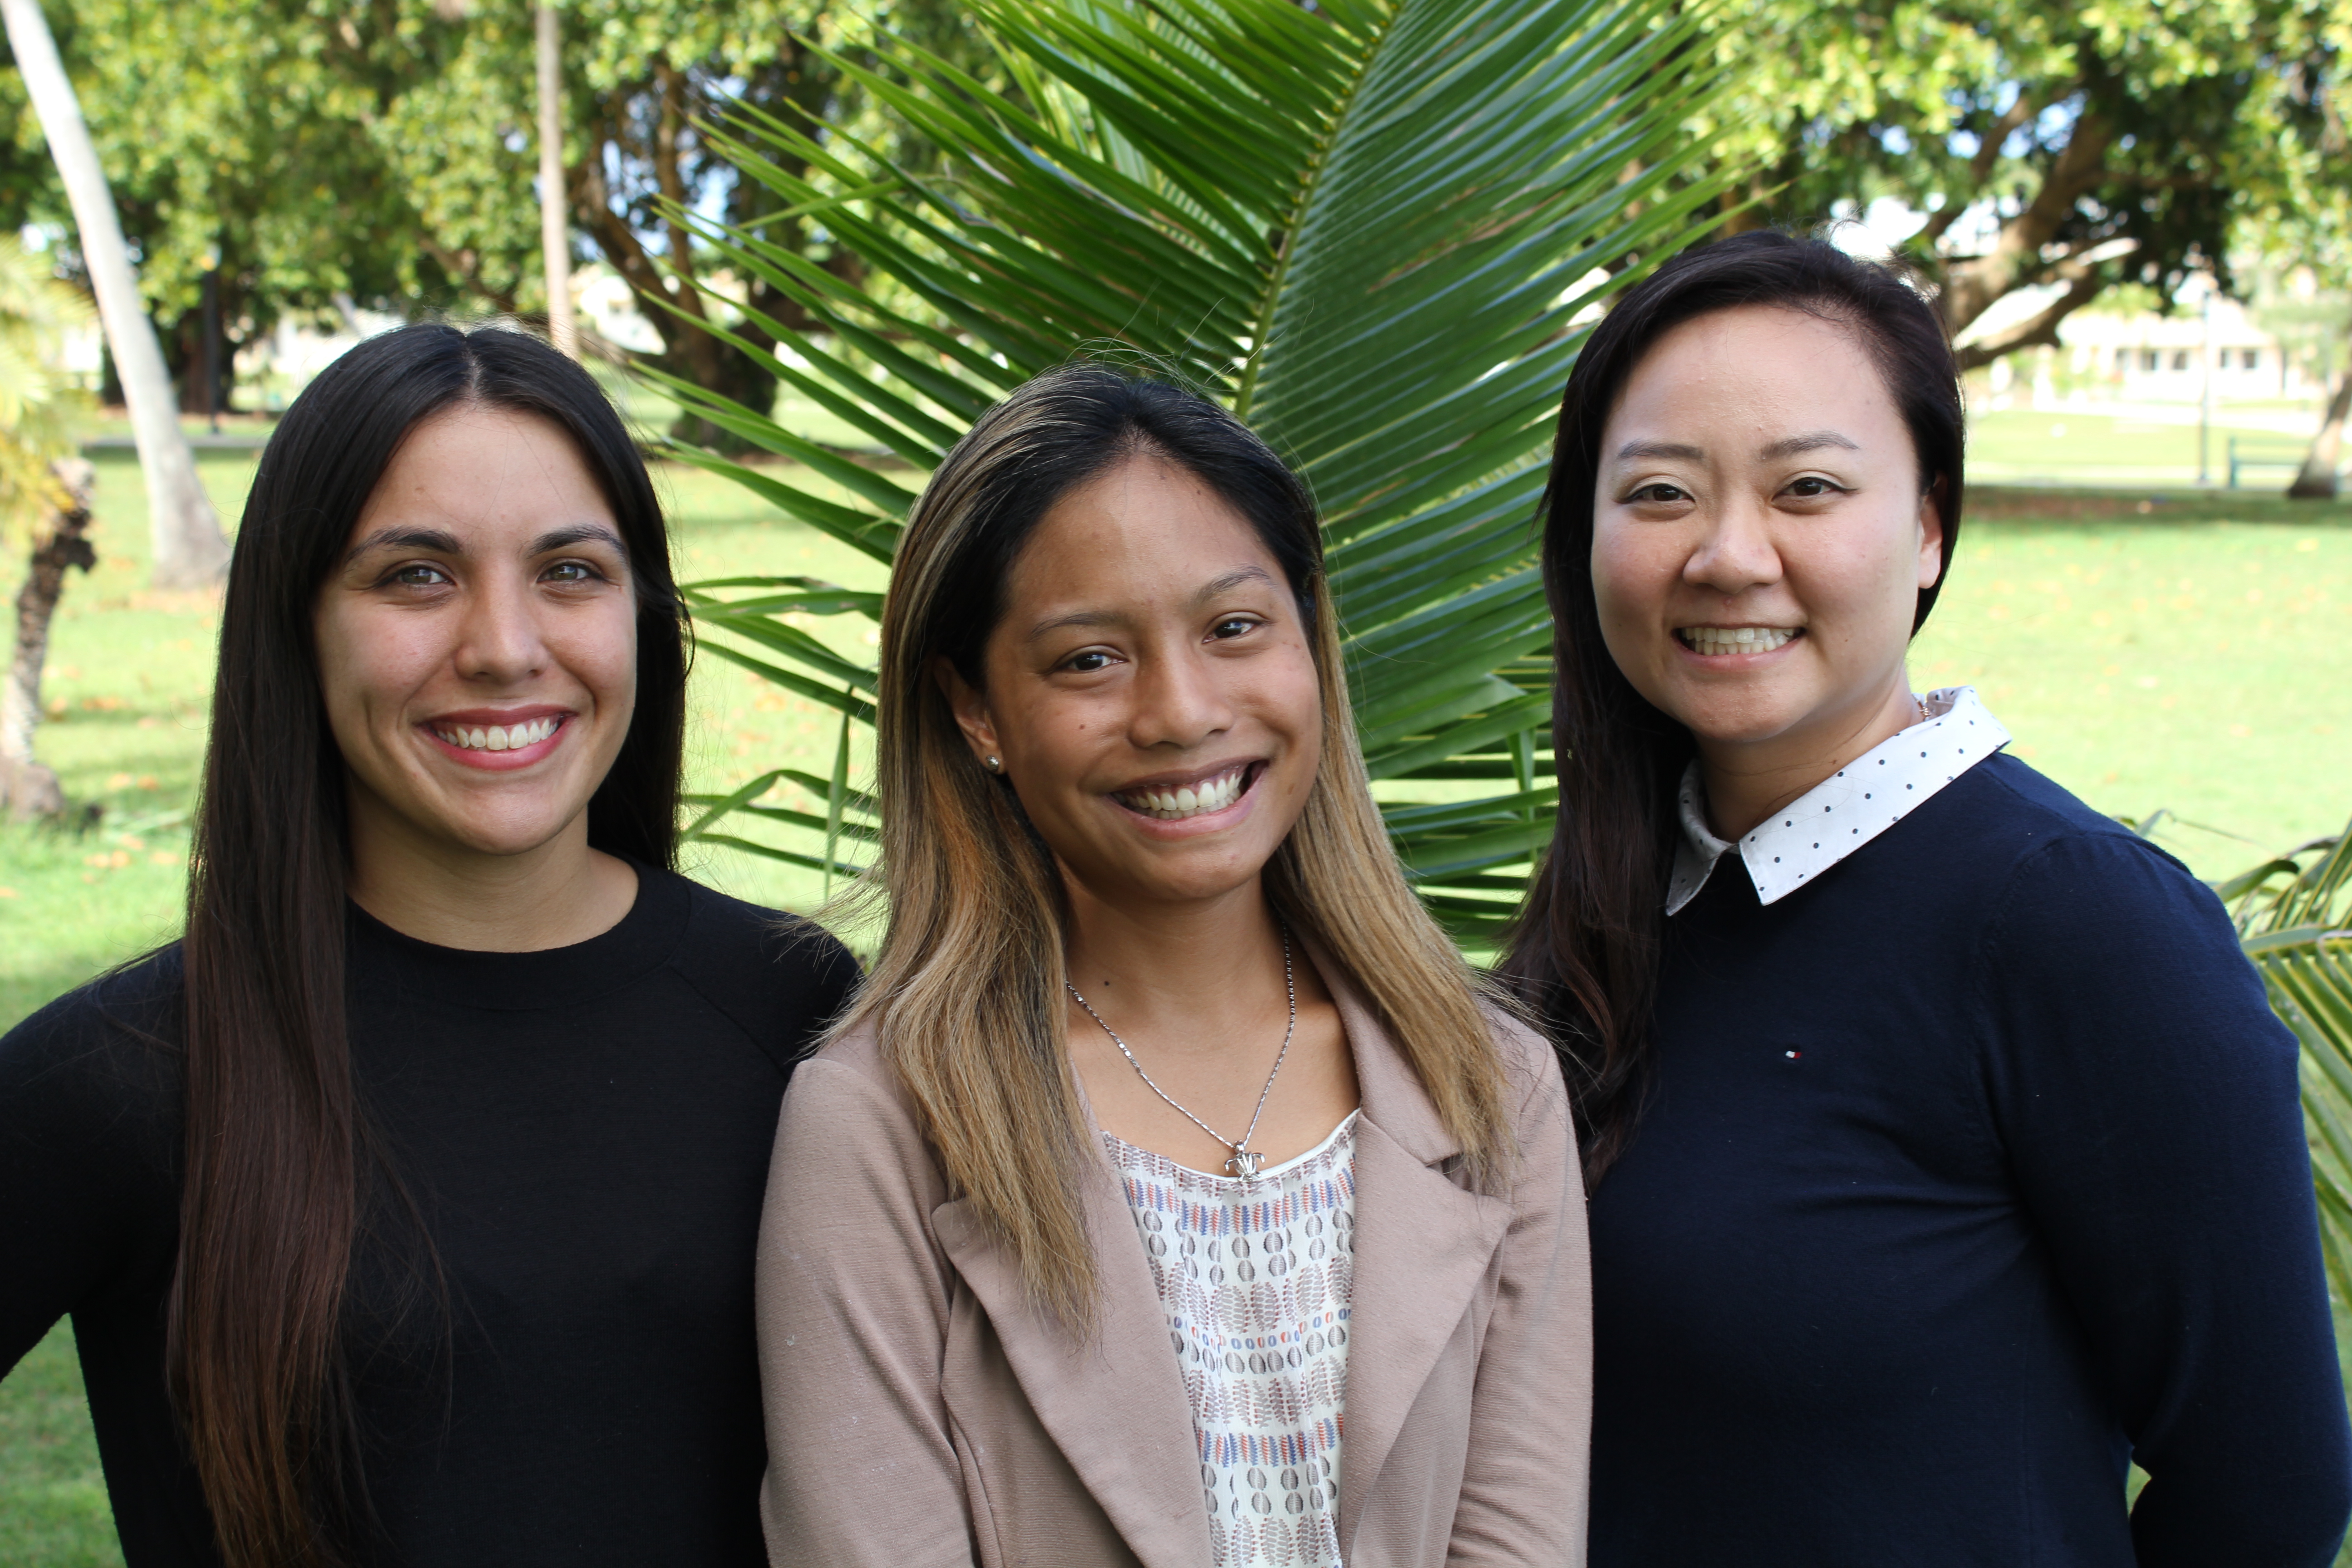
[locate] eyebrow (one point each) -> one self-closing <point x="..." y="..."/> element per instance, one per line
<point x="1217" y="588"/>
<point x="407" y="539"/>
<point x="1812" y="441"/>
<point x="447" y="543"/>
<point x="1632" y="449"/>
<point x="1786" y="447"/>
<point x="577" y="533"/>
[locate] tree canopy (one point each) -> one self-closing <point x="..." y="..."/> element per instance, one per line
<point x="2056" y="143"/>
<point x="324" y="156"/>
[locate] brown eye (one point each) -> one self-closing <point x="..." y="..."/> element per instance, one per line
<point x="1659" y="494"/>
<point x="1812" y="486"/>
<point x="569" y="572"/>
<point x="1089" y="662"/>
<point x="418" y="575"/>
<point x="1232" y="627"/>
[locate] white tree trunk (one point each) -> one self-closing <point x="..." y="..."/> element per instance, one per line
<point x="190" y="549"/>
<point x="554" y="223"/>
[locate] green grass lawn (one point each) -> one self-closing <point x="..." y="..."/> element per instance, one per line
<point x="2184" y="659"/>
<point x="2067" y="446"/>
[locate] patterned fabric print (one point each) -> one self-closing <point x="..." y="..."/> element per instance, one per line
<point x="1255" y="1277"/>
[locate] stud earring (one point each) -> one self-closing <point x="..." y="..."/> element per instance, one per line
<point x="994" y="766"/>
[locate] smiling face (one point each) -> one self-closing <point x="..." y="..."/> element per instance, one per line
<point x="1760" y="538"/>
<point x="477" y="643"/>
<point x="1150" y="691"/>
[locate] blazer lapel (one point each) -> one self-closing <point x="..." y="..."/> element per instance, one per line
<point x="1423" y="1244"/>
<point x="1116" y="1404"/>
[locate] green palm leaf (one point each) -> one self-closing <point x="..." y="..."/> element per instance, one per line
<point x="1370" y="226"/>
<point x="2298" y="931"/>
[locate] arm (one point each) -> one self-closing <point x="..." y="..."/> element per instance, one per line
<point x="853" y="1315"/>
<point x="1523" y="1486"/>
<point x="2147" y="1103"/>
<point x="89" y="1143"/>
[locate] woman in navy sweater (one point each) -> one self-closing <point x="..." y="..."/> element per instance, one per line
<point x="1947" y="1158"/>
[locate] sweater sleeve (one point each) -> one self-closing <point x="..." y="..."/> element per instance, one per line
<point x="2147" y="1100"/>
<point x="853" y="1316"/>
<point x="1524" y="1488"/>
<point x="89" y="1140"/>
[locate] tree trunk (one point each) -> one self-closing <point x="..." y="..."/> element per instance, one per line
<point x="554" y="227"/>
<point x="26" y="788"/>
<point x="1971" y="287"/>
<point x="2318" y="480"/>
<point x="190" y="549"/>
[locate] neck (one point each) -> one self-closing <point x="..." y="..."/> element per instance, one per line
<point x="1185" y="966"/>
<point x="1748" y="781"/>
<point x="555" y="895"/>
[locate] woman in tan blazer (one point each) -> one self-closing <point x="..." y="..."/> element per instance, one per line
<point x="1171" y="1195"/>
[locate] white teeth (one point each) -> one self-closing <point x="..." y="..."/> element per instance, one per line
<point x="1174" y="806"/>
<point x="1736" y="639"/>
<point x="499" y="737"/>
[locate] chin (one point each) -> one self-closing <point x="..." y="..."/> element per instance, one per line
<point x="1742" y="720"/>
<point x="1189" y="880"/>
<point x="503" y="836"/>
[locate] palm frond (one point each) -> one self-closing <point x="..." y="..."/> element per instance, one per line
<point x="2296" y="923"/>
<point x="1375" y="228"/>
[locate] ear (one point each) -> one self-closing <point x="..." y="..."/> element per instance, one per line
<point x="970" y="705"/>
<point x="1931" y="536"/>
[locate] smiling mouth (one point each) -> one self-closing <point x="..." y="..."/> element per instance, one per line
<point x="497" y="737"/>
<point x="1213" y="793"/>
<point x="1718" y="640"/>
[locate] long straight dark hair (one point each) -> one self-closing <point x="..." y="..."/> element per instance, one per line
<point x="276" y="1151"/>
<point x="1586" y="950"/>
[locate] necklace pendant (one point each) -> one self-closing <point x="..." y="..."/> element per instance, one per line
<point x="1245" y="1162"/>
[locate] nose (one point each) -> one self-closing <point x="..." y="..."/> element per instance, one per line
<point x="1180" y="700"/>
<point x="499" y="641"/>
<point x="1737" y="554"/>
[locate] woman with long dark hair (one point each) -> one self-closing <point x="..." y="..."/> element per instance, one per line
<point x="405" y="1207"/>
<point x="1171" y="1195"/>
<point x="1945" y="1158"/>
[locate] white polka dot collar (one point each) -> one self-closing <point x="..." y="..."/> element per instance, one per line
<point x="1843" y="812"/>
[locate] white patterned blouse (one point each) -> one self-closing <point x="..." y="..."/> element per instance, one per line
<point x="1256" y="1276"/>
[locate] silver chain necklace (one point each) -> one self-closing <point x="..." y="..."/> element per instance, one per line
<point x="1245" y="1161"/>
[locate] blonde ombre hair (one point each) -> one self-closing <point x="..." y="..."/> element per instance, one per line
<point x="966" y="993"/>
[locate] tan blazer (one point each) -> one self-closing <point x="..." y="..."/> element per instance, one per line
<point x="921" y="1413"/>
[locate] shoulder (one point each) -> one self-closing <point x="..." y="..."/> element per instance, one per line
<point x="103" y="1059"/>
<point x="852" y="1065"/>
<point x="1531" y="1066"/>
<point x="2014" y="837"/>
<point x="847" y="1116"/>
<point x="782" y="977"/>
<point x="1528" y="1059"/>
<point x="2084" y="920"/>
<point x="2058" y="855"/>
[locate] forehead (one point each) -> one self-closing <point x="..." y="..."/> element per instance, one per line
<point x="1140" y="531"/>
<point x="473" y="469"/>
<point x="1760" y="369"/>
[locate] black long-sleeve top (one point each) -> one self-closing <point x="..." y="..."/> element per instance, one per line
<point x="585" y="1131"/>
<point x="1971" y="1171"/>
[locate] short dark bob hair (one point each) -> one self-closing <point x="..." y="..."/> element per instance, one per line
<point x="1585" y="952"/>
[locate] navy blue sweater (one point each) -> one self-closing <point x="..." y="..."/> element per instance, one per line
<point x="1970" y="1172"/>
